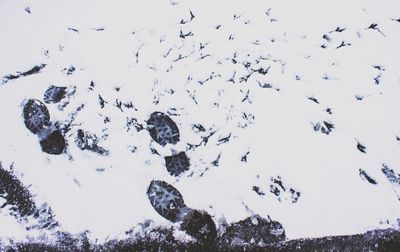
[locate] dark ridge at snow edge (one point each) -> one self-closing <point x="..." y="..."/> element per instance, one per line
<point x="21" y="205"/>
<point x="377" y="240"/>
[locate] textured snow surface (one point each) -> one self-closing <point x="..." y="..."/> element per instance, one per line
<point x="286" y="109"/>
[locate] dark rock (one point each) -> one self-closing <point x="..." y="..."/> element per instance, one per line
<point x="36" y="116"/>
<point x="177" y="164"/>
<point x="200" y="225"/>
<point x="163" y="129"/>
<point x="166" y="200"/>
<point x="253" y="231"/>
<point x="54" y="94"/>
<point x="54" y="143"/>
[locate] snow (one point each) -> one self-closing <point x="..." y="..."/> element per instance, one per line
<point x="140" y="52"/>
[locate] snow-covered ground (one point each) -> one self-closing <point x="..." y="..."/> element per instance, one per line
<point x="299" y="102"/>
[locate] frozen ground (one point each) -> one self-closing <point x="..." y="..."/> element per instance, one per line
<point x="286" y="109"/>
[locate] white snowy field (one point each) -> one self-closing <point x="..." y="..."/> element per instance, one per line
<point x="264" y="74"/>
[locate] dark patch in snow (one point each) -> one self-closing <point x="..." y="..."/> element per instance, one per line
<point x="247" y="97"/>
<point x="246" y="77"/>
<point x="282" y="192"/>
<point x="132" y="122"/>
<point x="325" y="127"/>
<point x="359" y="97"/>
<point x="88" y="141"/>
<point x="118" y="104"/>
<point x="192" y="16"/>
<point x="34" y="70"/>
<point x="374" y="26"/>
<point x="99" y="29"/>
<point x="361" y="148"/>
<point x="180" y="57"/>
<point x="70" y="70"/>
<point x="223" y="140"/>
<point x="393" y="177"/>
<point x="377" y="79"/>
<point x="264" y="85"/>
<point x="198" y="128"/>
<point x="154" y="151"/>
<point x="262" y="71"/>
<point x="91" y="86"/>
<point x="185" y="35"/>
<point x="204" y="140"/>
<point x="129" y="105"/>
<point x="216" y="161"/>
<point x="102" y="102"/>
<point x="67" y="124"/>
<point x="312" y="98"/>
<point x="380" y="68"/>
<point x="258" y="190"/>
<point x="343" y="44"/>
<point x="244" y="157"/>
<point x="365" y="176"/>
<point x="212" y="76"/>
<point x="338" y="29"/>
<point x="327" y="38"/>
<point x="73" y="29"/>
